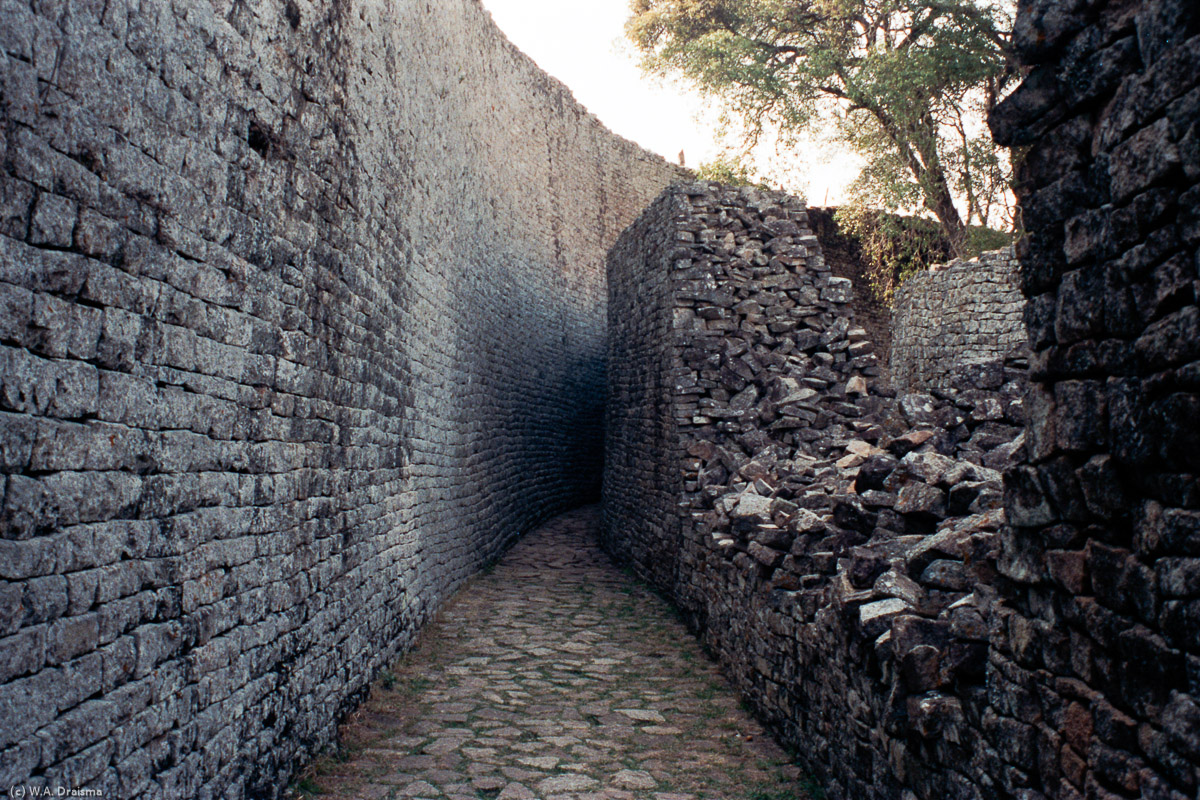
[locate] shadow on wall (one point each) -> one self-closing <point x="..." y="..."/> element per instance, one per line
<point x="843" y="254"/>
<point x="584" y="438"/>
<point x="301" y="322"/>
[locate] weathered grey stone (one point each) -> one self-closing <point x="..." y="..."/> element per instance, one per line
<point x="955" y="317"/>
<point x="53" y="221"/>
<point x="919" y="498"/>
<point x="27" y="704"/>
<point x="72" y="636"/>
<point x="918" y="409"/>
<point x="766" y="556"/>
<point x="752" y="507"/>
<point x="269" y="392"/>
<point x="931" y="468"/>
<point x="949" y="575"/>
<point x="23" y="652"/>
<point x="875" y="617"/>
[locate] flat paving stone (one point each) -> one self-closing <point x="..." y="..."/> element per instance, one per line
<point x="555" y="675"/>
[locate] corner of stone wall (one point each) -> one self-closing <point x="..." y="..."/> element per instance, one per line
<point x="639" y="524"/>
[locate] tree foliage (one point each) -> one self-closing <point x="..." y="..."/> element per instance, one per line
<point x="730" y="171"/>
<point x="903" y="83"/>
<point x="892" y="248"/>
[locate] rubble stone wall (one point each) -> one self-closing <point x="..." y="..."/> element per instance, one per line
<point x="726" y="415"/>
<point x="1096" y="647"/>
<point x="832" y="542"/>
<point x="963" y="312"/>
<point x="843" y="254"/>
<point x="970" y="593"/>
<point x="301" y="321"/>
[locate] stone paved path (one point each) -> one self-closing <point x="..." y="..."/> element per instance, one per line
<point x="555" y="676"/>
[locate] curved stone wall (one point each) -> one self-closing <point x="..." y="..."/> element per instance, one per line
<point x="301" y="322"/>
<point x="955" y="315"/>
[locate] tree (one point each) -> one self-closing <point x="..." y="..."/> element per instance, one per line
<point x="905" y="83"/>
<point x="730" y="171"/>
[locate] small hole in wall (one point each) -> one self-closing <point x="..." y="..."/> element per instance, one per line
<point x="259" y="139"/>
<point x="291" y="12"/>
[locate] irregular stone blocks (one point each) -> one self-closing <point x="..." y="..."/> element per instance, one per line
<point x="1099" y="633"/>
<point x="832" y="544"/>
<point x="850" y="559"/>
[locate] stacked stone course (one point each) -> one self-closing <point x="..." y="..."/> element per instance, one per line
<point x="972" y="593"/>
<point x="1097" y="645"/>
<point x="301" y="322"/>
<point x="832" y="543"/>
<point x="954" y="315"/>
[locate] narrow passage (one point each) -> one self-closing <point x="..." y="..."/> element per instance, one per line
<point x="556" y="676"/>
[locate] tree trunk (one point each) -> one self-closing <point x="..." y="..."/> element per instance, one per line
<point x="919" y="150"/>
<point x="942" y="205"/>
<point x="937" y="188"/>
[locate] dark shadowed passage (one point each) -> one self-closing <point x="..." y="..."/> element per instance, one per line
<point x="555" y="675"/>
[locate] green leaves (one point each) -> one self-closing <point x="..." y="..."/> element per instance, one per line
<point x="901" y="81"/>
<point x="730" y="171"/>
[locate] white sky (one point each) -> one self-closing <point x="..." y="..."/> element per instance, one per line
<point x="581" y="42"/>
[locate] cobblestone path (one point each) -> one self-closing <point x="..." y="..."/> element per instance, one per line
<point x="555" y="676"/>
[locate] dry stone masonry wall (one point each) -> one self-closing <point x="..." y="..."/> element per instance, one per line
<point x="738" y="298"/>
<point x="954" y="315"/>
<point x="970" y="593"/>
<point x="907" y="632"/>
<point x="831" y="543"/>
<point x="301" y="321"/>
<point x="843" y="253"/>
<point x="642" y="484"/>
<point x="1096" y="650"/>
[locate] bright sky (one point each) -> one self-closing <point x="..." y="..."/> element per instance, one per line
<point x="581" y="42"/>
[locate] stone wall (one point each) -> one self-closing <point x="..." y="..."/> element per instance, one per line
<point x="844" y="256"/>
<point x="832" y="543"/>
<point x="731" y="408"/>
<point x="846" y="554"/>
<point x="642" y="484"/>
<point x="716" y="297"/>
<point x="908" y="602"/>
<point x="953" y="315"/>
<point x="1096" y="651"/>
<point x="301" y="322"/>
